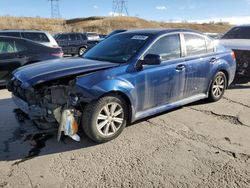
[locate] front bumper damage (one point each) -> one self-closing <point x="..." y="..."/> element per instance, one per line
<point x="67" y="119"/>
<point x="48" y="106"/>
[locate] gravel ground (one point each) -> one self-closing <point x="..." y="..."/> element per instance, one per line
<point x="199" y="145"/>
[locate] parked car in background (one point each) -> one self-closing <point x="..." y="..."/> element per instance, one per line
<point x="92" y="36"/>
<point x="115" y="32"/>
<point x="214" y="35"/>
<point x="102" y="36"/>
<point x="76" y="43"/>
<point x="238" y="39"/>
<point x="124" y="78"/>
<point x="17" y="52"/>
<point x="34" y="35"/>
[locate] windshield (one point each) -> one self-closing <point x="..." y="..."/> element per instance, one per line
<point x="238" y="33"/>
<point x="118" y="48"/>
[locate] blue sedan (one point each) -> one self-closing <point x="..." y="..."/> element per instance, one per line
<point x="127" y="77"/>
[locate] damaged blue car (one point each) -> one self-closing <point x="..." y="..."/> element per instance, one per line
<point x="127" y="77"/>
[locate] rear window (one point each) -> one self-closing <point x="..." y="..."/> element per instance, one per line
<point x="10" y="34"/>
<point x="238" y="33"/>
<point x="37" y="37"/>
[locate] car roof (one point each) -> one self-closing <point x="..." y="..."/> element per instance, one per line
<point x="10" y="37"/>
<point x="160" y="31"/>
<point x="68" y="33"/>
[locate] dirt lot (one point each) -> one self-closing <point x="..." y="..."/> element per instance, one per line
<point x="200" y="145"/>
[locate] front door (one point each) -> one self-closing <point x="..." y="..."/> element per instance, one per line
<point x="162" y="84"/>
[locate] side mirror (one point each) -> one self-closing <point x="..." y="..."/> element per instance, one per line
<point x="151" y="59"/>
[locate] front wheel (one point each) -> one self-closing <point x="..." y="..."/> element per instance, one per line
<point x="218" y="87"/>
<point x="105" y="119"/>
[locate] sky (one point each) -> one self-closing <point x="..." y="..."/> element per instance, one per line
<point x="233" y="11"/>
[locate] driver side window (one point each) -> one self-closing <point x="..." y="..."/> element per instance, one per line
<point x="168" y="47"/>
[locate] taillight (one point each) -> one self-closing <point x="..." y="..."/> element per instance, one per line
<point x="60" y="54"/>
<point x="233" y="55"/>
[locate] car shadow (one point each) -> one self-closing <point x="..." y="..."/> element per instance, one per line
<point x="23" y="140"/>
<point x="241" y="80"/>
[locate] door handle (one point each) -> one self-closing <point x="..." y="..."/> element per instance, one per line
<point x="180" y="67"/>
<point x="213" y="60"/>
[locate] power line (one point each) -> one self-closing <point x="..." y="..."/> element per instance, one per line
<point x="55" y="9"/>
<point x="120" y="8"/>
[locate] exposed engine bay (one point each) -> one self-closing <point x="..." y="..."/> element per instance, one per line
<point x="243" y="63"/>
<point x="49" y="105"/>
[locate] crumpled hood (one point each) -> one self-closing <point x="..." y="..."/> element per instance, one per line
<point x="235" y="44"/>
<point x="50" y="70"/>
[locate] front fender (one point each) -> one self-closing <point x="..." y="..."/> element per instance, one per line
<point x="93" y="92"/>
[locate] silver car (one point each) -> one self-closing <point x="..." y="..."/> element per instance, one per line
<point x="41" y="37"/>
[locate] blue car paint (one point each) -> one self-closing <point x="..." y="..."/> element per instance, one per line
<point x="32" y="75"/>
<point x="152" y="90"/>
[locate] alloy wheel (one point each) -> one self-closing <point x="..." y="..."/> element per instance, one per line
<point x="110" y="119"/>
<point x="218" y="86"/>
<point x="82" y="51"/>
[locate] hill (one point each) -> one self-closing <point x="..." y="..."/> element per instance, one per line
<point x="100" y="24"/>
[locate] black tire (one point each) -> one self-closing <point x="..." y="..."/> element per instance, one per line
<point x="213" y="95"/>
<point x="81" y="51"/>
<point x="90" y="118"/>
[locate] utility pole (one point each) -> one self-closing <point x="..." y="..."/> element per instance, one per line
<point x="120" y="8"/>
<point x="55" y="9"/>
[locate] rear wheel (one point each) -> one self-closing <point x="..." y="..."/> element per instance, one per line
<point x="81" y="51"/>
<point x="105" y="119"/>
<point x="218" y="87"/>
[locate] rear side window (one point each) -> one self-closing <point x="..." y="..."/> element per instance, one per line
<point x="168" y="47"/>
<point x="10" y="34"/>
<point x="195" y="45"/>
<point x="72" y="37"/>
<point x="62" y="37"/>
<point x="38" y="37"/>
<point x="84" y="37"/>
<point x="10" y="47"/>
<point x="78" y="36"/>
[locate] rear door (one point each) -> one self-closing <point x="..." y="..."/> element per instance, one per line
<point x="10" y="58"/>
<point x="198" y="61"/>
